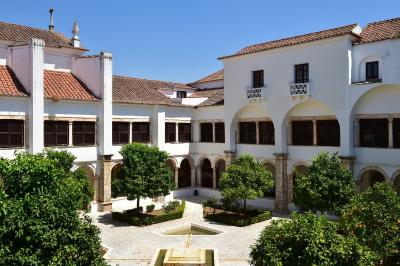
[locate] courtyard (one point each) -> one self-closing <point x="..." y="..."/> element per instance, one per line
<point x="131" y="245"/>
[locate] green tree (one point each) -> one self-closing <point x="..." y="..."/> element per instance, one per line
<point x="39" y="219"/>
<point x="144" y="173"/>
<point x="327" y="186"/>
<point x="245" y="179"/>
<point x="373" y="216"/>
<point x="307" y="240"/>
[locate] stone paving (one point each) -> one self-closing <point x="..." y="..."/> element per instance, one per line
<point x="131" y="245"/>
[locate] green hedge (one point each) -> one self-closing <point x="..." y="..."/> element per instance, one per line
<point x="237" y="220"/>
<point x="143" y="219"/>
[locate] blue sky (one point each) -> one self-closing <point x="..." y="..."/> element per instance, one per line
<point x="179" y="40"/>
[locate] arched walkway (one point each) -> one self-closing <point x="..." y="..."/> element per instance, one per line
<point x="299" y="169"/>
<point x="206" y="174"/>
<point x="220" y="168"/>
<point x="184" y="174"/>
<point x="370" y="178"/>
<point x="270" y="167"/>
<point x="90" y="172"/>
<point x="172" y="166"/>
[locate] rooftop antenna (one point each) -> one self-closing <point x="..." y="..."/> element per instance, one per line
<point x="51" y="26"/>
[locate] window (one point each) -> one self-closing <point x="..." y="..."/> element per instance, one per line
<point x="141" y="132"/>
<point x="328" y="133"/>
<point x="247" y="132"/>
<point x="266" y="132"/>
<point x="301" y="73"/>
<point x="84" y="133"/>
<point x="120" y="132"/>
<point x="56" y="133"/>
<point x="374" y="133"/>
<point x="372" y="70"/>
<point x="219" y="132"/>
<point x="302" y="133"/>
<point x="170" y="132"/>
<point x="396" y="133"/>
<point x="258" y="79"/>
<point x="185" y="132"/>
<point x="181" y="94"/>
<point x="11" y="133"/>
<point x="206" y="132"/>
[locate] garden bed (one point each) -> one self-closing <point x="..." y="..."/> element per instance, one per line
<point x="236" y="218"/>
<point x="170" y="212"/>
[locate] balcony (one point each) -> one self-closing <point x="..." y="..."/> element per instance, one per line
<point x="299" y="89"/>
<point x="255" y="94"/>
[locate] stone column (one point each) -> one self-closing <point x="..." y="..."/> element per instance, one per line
<point x="315" y="141"/>
<point x="176" y="175"/>
<point x="213" y="131"/>
<point x="104" y="195"/>
<point x="130" y="132"/>
<point x="390" y="127"/>
<point x="214" y="178"/>
<point x="348" y="162"/>
<point x="70" y="134"/>
<point x="229" y="157"/>
<point x="357" y="132"/>
<point x="193" y="182"/>
<point x="281" y="182"/>
<point x="257" y="134"/>
<point x="198" y="175"/>
<point x="176" y="132"/>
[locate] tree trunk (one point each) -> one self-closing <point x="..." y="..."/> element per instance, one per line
<point x="245" y="204"/>
<point x="138" y="204"/>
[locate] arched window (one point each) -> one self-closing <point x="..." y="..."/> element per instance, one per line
<point x="184" y="174"/>
<point x="270" y="193"/>
<point x="206" y="174"/>
<point x="220" y="168"/>
<point x="370" y="178"/>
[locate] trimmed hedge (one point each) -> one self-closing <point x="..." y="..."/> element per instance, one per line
<point x="238" y="219"/>
<point x="143" y="219"/>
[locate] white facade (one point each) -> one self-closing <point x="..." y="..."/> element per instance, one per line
<point x="335" y="91"/>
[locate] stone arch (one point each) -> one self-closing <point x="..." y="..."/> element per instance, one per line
<point x="308" y="111"/>
<point x="297" y="168"/>
<point x="270" y="166"/>
<point x="172" y="165"/>
<point x="220" y="168"/>
<point x="206" y="172"/>
<point x="185" y="173"/>
<point x="369" y="176"/>
<point x="91" y="174"/>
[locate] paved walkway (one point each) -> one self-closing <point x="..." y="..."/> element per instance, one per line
<point x="131" y="245"/>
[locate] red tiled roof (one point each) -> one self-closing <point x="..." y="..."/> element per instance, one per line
<point x="23" y="34"/>
<point x="381" y="30"/>
<point x="320" y="35"/>
<point x="65" y="86"/>
<point x="9" y="84"/>
<point x="219" y="75"/>
<point x="215" y="96"/>
<point x="142" y="91"/>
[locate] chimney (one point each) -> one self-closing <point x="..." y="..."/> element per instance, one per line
<point x="75" y="36"/>
<point x="51" y="26"/>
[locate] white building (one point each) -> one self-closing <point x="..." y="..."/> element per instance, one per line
<point x="286" y="100"/>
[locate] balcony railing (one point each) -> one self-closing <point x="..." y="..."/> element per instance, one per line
<point x="299" y="89"/>
<point x="254" y="94"/>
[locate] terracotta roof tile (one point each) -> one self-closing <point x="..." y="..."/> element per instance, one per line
<point x="215" y="96"/>
<point x="23" y="34"/>
<point x="9" y="84"/>
<point x="320" y="35"/>
<point x="142" y="91"/>
<point x="65" y="86"/>
<point x="219" y="75"/>
<point x="381" y="30"/>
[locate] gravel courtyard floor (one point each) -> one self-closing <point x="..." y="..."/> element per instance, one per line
<point x="131" y="245"/>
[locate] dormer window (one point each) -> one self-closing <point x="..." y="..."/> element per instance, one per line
<point x="372" y="70"/>
<point x="301" y="73"/>
<point x="181" y="94"/>
<point x="258" y="79"/>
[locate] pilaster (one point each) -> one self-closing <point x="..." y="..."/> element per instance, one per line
<point x="229" y="157"/>
<point x="348" y="162"/>
<point x="104" y="182"/>
<point x="281" y="183"/>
